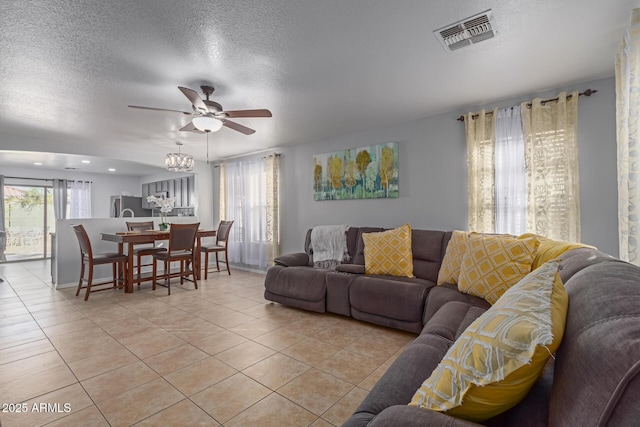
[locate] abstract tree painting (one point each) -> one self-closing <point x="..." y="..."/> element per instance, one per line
<point x="358" y="173"/>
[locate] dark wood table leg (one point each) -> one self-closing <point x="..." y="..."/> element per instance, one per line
<point x="129" y="288"/>
<point x="197" y="258"/>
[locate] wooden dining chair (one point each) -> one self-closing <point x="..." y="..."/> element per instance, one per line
<point x="182" y="241"/>
<point x="221" y="245"/>
<point x="143" y="250"/>
<point x="89" y="260"/>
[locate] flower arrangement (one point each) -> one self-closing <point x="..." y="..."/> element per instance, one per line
<point x="166" y="205"/>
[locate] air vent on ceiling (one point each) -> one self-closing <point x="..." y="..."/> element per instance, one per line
<point x="467" y="32"/>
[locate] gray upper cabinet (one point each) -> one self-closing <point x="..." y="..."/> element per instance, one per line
<point x="183" y="190"/>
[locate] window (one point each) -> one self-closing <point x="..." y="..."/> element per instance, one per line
<point x="249" y="197"/>
<point x="523" y="169"/>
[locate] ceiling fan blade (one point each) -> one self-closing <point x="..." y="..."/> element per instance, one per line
<point x="195" y="99"/>
<point x="237" y="126"/>
<point x="159" y="109"/>
<point x="248" y="113"/>
<point x="189" y="127"/>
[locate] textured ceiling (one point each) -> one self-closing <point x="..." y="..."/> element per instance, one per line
<point x="68" y="70"/>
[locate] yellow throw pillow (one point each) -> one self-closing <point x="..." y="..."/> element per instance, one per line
<point x="493" y="263"/>
<point x="497" y="359"/>
<point x="389" y="252"/>
<point x="551" y="249"/>
<point x="456" y="248"/>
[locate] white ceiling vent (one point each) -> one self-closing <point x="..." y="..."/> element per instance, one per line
<point x="467" y="31"/>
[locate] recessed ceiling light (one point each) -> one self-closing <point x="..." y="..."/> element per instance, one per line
<point x="86" y="161"/>
<point x="111" y="170"/>
<point x="37" y="163"/>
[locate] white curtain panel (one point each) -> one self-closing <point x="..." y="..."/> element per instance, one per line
<point x="481" y="170"/>
<point x="246" y="201"/>
<point x="551" y="156"/>
<point x="60" y="198"/>
<point x="627" y="69"/>
<point x="510" y="177"/>
<point x="79" y="199"/>
<point x="223" y="192"/>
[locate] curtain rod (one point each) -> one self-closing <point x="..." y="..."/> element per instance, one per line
<point x="270" y="155"/>
<point x="587" y="92"/>
<point x="46" y="179"/>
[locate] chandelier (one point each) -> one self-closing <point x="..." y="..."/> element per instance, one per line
<point x="179" y="162"/>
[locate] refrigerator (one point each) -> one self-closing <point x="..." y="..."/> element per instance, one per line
<point x="121" y="204"/>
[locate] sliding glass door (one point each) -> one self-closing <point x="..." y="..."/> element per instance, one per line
<point x="29" y="218"/>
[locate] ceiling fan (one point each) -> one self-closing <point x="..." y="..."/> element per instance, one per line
<point x="205" y="108"/>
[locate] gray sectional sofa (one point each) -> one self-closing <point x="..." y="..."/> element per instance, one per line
<point x="593" y="381"/>
<point x="397" y="302"/>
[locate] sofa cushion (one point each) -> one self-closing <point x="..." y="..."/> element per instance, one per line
<point x="451" y="320"/>
<point x="456" y="248"/>
<point x="427" y="249"/>
<point x="597" y="369"/>
<point x="302" y="283"/>
<point x="350" y="268"/>
<point x="443" y="294"/>
<point x="389" y="252"/>
<point x="390" y="296"/>
<point x="298" y="259"/>
<point x="494" y="263"/>
<point x="358" y="258"/>
<point x="499" y="357"/>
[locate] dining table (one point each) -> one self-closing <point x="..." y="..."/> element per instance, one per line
<point x="132" y="238"/>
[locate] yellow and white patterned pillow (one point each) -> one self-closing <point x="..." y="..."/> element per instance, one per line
<point x="551" y="249"/>
<point x="498" y="358"/>
<point x="494" y="263"/>
<point x="456" y="248"/>
<point x="389" y="252"/>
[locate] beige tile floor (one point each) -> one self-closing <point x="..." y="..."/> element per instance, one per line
<point x="218" y="355"/>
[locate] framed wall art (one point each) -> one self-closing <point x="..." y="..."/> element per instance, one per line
<point x="358" y="173"/>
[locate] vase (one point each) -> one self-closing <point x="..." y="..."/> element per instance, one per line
<point x="163" y="222"/>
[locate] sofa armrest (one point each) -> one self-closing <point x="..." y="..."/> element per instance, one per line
<point x="411" y="416"/>
<point x="350" y="268"/>
<point x="299" y="259"/>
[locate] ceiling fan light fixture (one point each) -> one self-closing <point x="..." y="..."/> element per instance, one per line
<point x="179" y="162"/>
<point x="207" y="124"/>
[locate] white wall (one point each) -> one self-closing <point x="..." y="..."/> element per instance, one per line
<point x="104" y="185"/>
<point x="433" y="174"/>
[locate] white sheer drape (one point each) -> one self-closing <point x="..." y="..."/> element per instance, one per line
<point x="60" y="198"/>
<point x="510" y="176"/>
<point x="246" y="199"/>
<point x="627" y="69"/>
<point x="79" y="199"/>
<point x="223" y="192"/>
<point x="551" y="155"/>
<point x="481" y="171"/>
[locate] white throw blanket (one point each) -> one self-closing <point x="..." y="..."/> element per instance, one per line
<point x="329" y="243"/>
